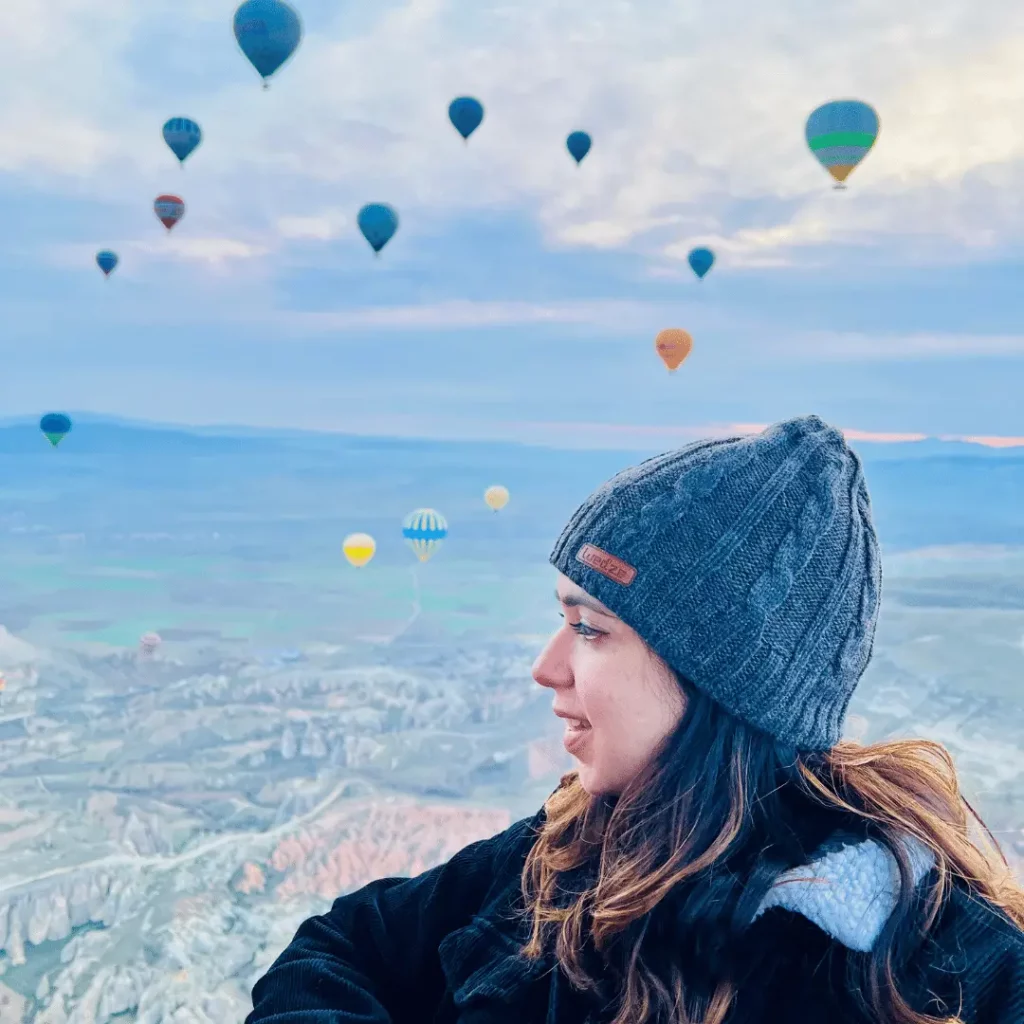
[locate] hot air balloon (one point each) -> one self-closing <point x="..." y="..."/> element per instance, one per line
<point x="169" y="210"/>
<point x="466" y="114"/>
<point x="268" y="31"/>
<point x="378" y="222"/>
<point x="106" y="261"/>
<point x="496" y="497"/>
<point x="701" y="261"/>
<point x="424" y="529"/>
<point x="673" y="345"/>
<point x="182" y="135"/>
<point x="3" y="682"/>
<point x="359" y="548"/>
<point x="148" y="644"/>
<point x="56" y="426"/>
<point x="840" y="134"/>
<point x="578" y="144"/>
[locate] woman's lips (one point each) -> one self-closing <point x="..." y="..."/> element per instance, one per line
<point x="577" y="734"/>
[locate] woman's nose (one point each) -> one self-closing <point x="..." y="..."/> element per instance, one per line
<point x="551" y="669"/>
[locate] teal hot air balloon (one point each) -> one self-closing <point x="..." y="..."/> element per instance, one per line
<point x="55" y="425"/>
<point x="578" y="144"/>
<point x="106" y="261"/>
<point x="701" y="261"/>
<point x="423" y="530"/>
<point x="466" y="114"/>
<point x="182" y="135"/>
<point x="268" y="31"/>
<point x="840" y="134"/>
<point x="378" y="222"/>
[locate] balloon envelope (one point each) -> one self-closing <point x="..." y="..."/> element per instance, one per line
<point x="673" y="345"/>
<point x="359" y="548"/>
<point x="378" y="222"/>
<point x="496" y="497"/>
<point x="701" y="261"/>
<point x="106" y="261"/>
<point x="182" y="135"/>
<point x="840" y="134"/>
<point x="55" y="425"/>
<point x="578" y="144"/>
<point x="149" y="642"/>
<point x="169" y="209"/>
<point x="268" y="31"/>
<point x="424" y="529"/>
<point x="466" y="114"/>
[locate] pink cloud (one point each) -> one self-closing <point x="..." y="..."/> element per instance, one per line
<point x="989" y="441"/>
<point x="595" y="433"/>
<point x="881" y="438"/>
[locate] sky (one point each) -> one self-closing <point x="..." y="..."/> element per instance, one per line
<point x="521" y="295"/>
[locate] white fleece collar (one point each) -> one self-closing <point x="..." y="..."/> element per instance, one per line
<point x="849" y="892"/>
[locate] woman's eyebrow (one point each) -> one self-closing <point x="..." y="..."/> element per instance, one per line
<point x="582" y="601"/>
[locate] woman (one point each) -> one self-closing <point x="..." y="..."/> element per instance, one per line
<point x="719" y="856"/>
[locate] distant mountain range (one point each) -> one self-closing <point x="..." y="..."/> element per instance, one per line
<point x="924" y="493"/>
<point x="127" y="434"/>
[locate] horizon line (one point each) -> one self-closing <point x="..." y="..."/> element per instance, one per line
<point x="620" y="430"/>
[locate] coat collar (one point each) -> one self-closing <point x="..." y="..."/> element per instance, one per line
<point x="849" y="892"/>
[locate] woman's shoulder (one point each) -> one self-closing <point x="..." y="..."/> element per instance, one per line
<point x="976" y="928"/>
<point x="975" y="952"/>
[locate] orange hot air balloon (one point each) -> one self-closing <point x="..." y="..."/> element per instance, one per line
<point x="673" y="345"/>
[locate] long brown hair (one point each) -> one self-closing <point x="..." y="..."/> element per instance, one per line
<point x="707" y="828"/>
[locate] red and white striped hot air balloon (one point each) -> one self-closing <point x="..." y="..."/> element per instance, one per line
<point x="169" y="210"/>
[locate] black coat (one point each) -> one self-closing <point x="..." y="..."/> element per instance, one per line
<point x="443" y="948"/>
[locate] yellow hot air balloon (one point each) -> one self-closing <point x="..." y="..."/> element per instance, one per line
<point x="359" y="548"/>
<point x="673" y="345"/>
<point x="496" y="497"/>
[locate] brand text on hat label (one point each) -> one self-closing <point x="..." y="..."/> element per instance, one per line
<point x="608" y="565"/>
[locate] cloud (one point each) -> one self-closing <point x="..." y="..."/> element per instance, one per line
<point x="988" y="442"/>
<point x="321" y="227"/>
<point x="632" y="435"/>
<point x="215" y="252"/>
<point x="856" y="347"/>
<point x="465" y="314"/>
<point x="697" y="118"/>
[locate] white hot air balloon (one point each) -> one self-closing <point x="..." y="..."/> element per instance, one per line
<point x="148" y="644"/>
<point x="496" y="497"/>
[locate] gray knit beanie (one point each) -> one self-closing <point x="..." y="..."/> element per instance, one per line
<point x="749" y="564"/>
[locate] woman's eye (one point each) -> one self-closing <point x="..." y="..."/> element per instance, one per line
<point x="582" y="629"/>
<point x="585" y="631"/>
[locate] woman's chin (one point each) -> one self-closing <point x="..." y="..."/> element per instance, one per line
<point x="592" y="781"/>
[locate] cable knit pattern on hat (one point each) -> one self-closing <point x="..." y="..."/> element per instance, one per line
<point x="757" y="571"/>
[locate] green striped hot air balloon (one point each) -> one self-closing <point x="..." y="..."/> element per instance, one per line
<point x="840" y="134"/>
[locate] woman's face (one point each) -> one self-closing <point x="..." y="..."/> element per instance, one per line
<point x="619" y="699"/>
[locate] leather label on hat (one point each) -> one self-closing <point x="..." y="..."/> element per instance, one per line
<point x="607" y="565"/>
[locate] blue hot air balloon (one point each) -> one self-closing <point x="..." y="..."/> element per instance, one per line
<point x="840" y="134"/>
<point x="423" y="530"/>
<point x="182" y="135"/>
<point x="378" y="223"/>
<point x="106" y="261"/>
<point x="578" y="144"/>
<point x="466" y="114"/>
<point x="55" y="425"/>
<point x="268" y="31"/>
<point x="701" y="261"/>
